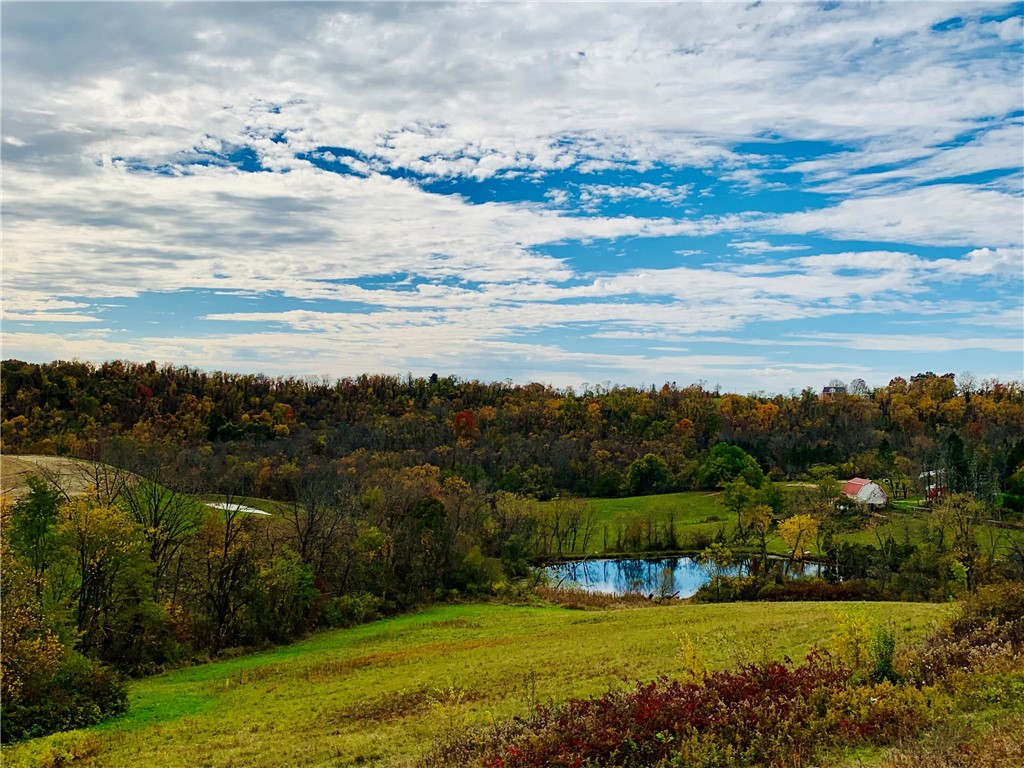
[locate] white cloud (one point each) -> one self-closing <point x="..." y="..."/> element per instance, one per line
<point x="117" y="178"/>
<point x="917" y="343"/>
<point x="48" y="317"/>
<point x="593" y="196"/>
<point x="1007" y="262"/>
<point x="940" y="214"/>
<point x="763" y="246"/>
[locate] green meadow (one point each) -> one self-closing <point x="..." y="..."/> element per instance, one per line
<point x="382" y="693"/>
<point x="686" y="509"/>
<point x="695" y="515"/>
<point x="700" y="515"/>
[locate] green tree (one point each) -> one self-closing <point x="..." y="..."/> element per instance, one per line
<point x="280" y="598"/>
<point x="109" y="570"/>
<point x="45" y="685"/>
<point x="725" y="463"/>
<point x="222" y="569"/>
<point x="961" y="515"/>
<point x="648" y="474"/>
<point x="33" y="524"/>
<point x="737" y="497"/>
<point x="716" y="560"/>
<point x="757" y="519"/>
<point x="166" y="520"/>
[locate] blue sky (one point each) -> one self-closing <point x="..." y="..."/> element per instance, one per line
<point x="763" y="196"/>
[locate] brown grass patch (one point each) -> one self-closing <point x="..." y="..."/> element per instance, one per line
<point x="390" y="706"/>
<point x="325" y="670"/>
<point x="997" y="746"/>
<point x="582" y="600"/>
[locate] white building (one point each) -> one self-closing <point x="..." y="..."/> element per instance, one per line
<point x="865" y="492"/>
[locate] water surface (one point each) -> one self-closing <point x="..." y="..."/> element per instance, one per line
<point x="664" y="577"/>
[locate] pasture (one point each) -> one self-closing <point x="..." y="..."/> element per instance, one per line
<point x="381" y="693"/>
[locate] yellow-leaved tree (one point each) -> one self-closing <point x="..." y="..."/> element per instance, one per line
<point x="798" y="531"/>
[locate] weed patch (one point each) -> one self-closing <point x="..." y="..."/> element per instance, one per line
<point x="57" y="751"/>
<point x="583" y="600"/>
<point x="960" y="746"/>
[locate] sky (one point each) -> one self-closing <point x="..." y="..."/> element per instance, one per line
<point x="762" y="196"/>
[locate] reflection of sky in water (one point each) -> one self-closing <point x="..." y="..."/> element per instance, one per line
<point x="667" y="576"/>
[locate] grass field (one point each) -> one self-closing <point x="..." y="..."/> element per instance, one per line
<point x="379" y="694"/>
<point x="265" y="505"/>
<point x="697" y="514"/>
<point x="72" y="475"/>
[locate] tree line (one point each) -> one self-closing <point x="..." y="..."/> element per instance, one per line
<point x="528" y="439"/>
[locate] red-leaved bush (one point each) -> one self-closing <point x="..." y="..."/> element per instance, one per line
<point x="773" y="714"/>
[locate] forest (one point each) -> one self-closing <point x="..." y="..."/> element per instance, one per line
<point x="388" y="492"/>
<point x="526" y="439"/>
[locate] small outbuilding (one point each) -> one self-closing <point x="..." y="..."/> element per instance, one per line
<point x="865" y="492"/>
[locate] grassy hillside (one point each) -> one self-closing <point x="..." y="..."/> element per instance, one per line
<point x="380" y="693"/>
<point x="695" y="515"/>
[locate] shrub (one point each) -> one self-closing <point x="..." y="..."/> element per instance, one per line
<point x="57" y="751"/>
<point x="477" y="573"/>
<point x="999" y="603"/>
<point x="987" y="635"/>
<point x="772" y="714"/>
<point x="882" y="713"/>
<point x="728" y="589"/>
<point x="581" y="599"/>
<point x="81" y="692"/>
<point x="883" y="651"/>
<point x="350" y="610"/>
<point x="959" y="747"/>
<point x="817" y="589"/>
<point x="733" y="588"/>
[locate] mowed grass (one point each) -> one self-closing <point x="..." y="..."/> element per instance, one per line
<point x="688" y="508"/>
<point x="381" y="693"/>
<point x="696" y="516"/>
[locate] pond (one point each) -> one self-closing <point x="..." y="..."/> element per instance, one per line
<point x="678" y="576"/>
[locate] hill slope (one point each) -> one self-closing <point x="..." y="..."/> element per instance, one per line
<point x="380" y="693"/>
<point x="73" y="474"/>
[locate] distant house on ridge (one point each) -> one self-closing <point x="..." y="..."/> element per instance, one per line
<point x="865" y="492"/>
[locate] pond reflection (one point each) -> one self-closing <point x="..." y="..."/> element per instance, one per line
<point x="661" y="577"/>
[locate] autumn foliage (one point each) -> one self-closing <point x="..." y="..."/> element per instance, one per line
<point x="772" y="714"/>
<point x="527" y="438"/>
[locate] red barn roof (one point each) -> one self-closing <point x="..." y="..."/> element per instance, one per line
<point x="865" y="492"/>
<point x="852" y="487"/>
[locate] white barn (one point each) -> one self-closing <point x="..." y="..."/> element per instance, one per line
<point x="865" y="492"/>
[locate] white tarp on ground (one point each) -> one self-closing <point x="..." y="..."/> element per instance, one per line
<point x="237" y="508"/>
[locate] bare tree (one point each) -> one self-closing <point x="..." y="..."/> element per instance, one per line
<point x="321" y="517"/>
<point x="168" y="518"/>
<point x="859" y="387"/>
<point x="76" y="477"/>
<point x="225" y="563"/>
